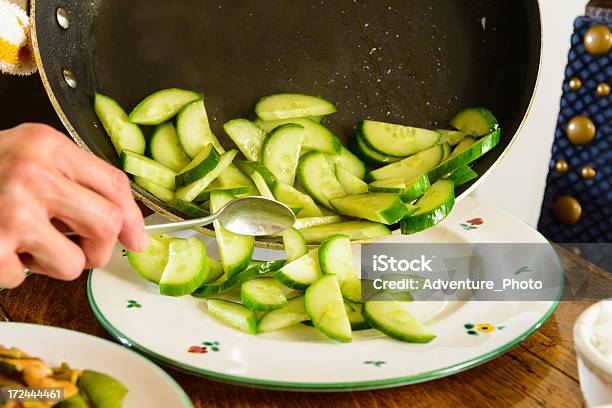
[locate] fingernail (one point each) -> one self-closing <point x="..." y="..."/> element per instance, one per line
<point x="144" y="241"/>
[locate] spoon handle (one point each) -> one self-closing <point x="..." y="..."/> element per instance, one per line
<point x="180" y="225"/>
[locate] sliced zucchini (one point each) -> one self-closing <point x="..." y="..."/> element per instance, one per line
<point x="187" y="267"/>
<point x="236" y="250"/>
<point x="316" y="137"/>
<point x="452" y="137"/>
<point x="233" y="314"/>
<point x="416" y="188"/>
<point x="353" y="312"/>
<point x="141" y="166"/>
<point x="355" y="230"/>
<point x="262" y="294"/>
<point x="447" y="151"/>
<point x="263" y="178"/>
<point x="307" y="222"/>
<point x="386" y="208"/>
<point x="350" y="162"/>
<point x="236" y="191"/>
<point x="464" y="154"/>
<point x="281" y="151"/>
<point x="160" y="106"/>
<point x="191" y="191"/>
<point x="391" y="318"/>
<point x="369" y="156"/>
<point x="200" y="166"/>
<point x="324" y="304"/>
<point x="247" y="136"/>
<point x="287" y="106"/>
<point x="318" y="118"/>
<point x="475" y="122"/>
<point x="350" y="183"/>
<point x="407" y="191"/>
<point x="434" y="206"/>
<point x="462" y="175"/>
<point x="300" y="273"/>
<point x="336" y="258"/>
<point x="395" y="185"/>
<point x="150" y="264"/>
<point x="189" y="209"/>
<point x="215" y="270"/>
<point x="255" y="270"/>
<point x="164" y="148"/>
<point x="317" y="177"/>
<point x="194" y="131"/>
<point x="465" y="144"/>
<point x="292" y="197"/>
<point x="295" y="244"/>
<point x="232" y="176"/>
<point x="292" y="313"/>
<point x="410" y="167"/>
<point x="163" y="193"/>
<point x="124" y="134"/>
<point x="396" y="140"/>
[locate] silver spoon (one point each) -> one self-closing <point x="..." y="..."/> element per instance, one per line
<point x="254" y="216"/>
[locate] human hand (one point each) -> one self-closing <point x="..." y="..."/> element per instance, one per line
<point x="45" y="181"/>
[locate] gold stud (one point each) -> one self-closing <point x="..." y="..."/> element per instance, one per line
<point x="575" y="84"/>
<point x="580" y="130"/>
<point x="567" y="210"/>
<point x="576" y="250"/>
<point x="588" y="172"/>
<point x="561" y="166"/>
<point x="598" y="40"/>
<point x="603" y="89"/>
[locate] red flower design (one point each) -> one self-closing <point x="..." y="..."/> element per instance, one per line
<point x="475" y="221"/>
<point x="197" y="350"/>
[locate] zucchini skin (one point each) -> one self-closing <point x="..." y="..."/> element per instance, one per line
<point x="464" y="158"/>
<point x="212" y="289"/>
<point x="427" y="219"/>
<point x="418" y="134"/>
<point x="368" y="156"/>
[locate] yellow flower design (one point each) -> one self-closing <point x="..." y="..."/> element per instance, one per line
<point x="485" y="328"/>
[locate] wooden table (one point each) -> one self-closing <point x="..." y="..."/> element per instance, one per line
<point x="541" y="371"/>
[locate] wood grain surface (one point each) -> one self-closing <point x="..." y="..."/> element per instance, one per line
<point x="541" y="371"/>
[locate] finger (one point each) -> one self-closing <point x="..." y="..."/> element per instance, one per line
<point x="110" y="182"/>
<point x="53" y="254"/>
<point x="12" y="271"/>
<point x="93" y="218"/>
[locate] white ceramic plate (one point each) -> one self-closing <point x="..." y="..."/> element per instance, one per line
<point x="147" y="384"/>
<point x="178" y="332"/>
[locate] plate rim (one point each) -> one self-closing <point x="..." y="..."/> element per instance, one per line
<point x="335" y="386"/>
<point x="181" y="392"/>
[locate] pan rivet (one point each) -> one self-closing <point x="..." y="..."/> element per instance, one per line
<point x="62" y="18"/>
<point x="69" y="78"/>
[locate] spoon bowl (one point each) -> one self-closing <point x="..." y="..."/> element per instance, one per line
<point x="256" y="216"/>
<point x="253" y="215"/>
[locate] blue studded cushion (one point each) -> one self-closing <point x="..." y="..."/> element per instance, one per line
<point x="594" y="195"/>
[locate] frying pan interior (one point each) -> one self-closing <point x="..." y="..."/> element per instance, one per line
<point x="405" y="61"/>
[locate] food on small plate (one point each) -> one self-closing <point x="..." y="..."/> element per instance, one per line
<point x="383" y="177"/>
<point x="81" y="388"/>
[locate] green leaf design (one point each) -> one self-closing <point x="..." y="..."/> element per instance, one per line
<point x="522" y="269"/>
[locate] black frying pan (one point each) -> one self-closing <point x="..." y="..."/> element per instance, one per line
<point x="405" y="61"/>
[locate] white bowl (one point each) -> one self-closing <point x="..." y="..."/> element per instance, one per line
<point x="594" y="369"/>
